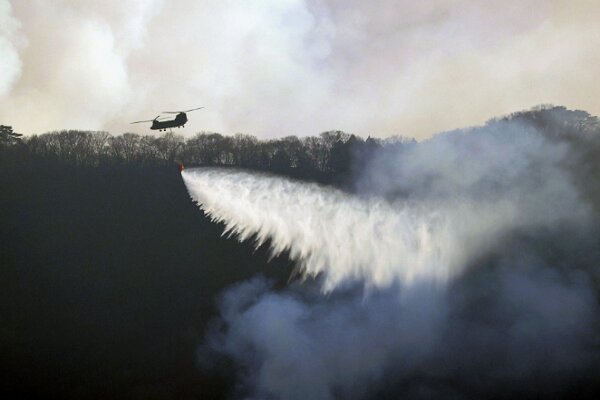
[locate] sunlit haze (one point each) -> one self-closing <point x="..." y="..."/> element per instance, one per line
<point x="274" y="68"/>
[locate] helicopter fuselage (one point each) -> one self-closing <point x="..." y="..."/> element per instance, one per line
<point x="179" y="121"/>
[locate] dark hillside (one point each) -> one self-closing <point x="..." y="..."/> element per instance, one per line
<point x="109" y="276"/>
<point x="109" y="273"/>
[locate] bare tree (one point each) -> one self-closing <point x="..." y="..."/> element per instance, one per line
<point x="126" y="147"/>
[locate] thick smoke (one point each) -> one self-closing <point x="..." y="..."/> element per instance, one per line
<point x="9" y="48"/>
<point x="274" y="67"/>
<point x="463" y="267"/>
<point x="463" y="193"/>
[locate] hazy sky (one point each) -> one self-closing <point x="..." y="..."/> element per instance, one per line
<point x="279" y="67"/>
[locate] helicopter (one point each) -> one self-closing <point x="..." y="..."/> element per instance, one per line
<point x="178" y="122"/>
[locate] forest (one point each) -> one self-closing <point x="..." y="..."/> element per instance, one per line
<point x="109" y="272"/>
<point x="329" y="157"/>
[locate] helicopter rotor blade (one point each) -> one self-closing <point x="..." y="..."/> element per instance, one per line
<point x="193" y="109"/>
<point x="147" y="120"/>
<point x="185" y="111"/>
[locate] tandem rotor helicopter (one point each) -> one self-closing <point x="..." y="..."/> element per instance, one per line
<point x="163" y="125"/>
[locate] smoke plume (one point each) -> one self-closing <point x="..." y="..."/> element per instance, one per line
<point x="463" y="266"/>
<point x="274" y="67"/>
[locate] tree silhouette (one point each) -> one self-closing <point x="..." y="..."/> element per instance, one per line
<point x="8" y="137"/>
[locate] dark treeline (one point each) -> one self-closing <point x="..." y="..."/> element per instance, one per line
<point x="331" y="157"/>
<point x="110" y="274"/>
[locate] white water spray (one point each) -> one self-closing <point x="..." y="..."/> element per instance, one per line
<point x="325" y="230"/>
<point x="347" y="238"/>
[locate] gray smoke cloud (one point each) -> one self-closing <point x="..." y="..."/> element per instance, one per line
<point x="275" y="67"/>
<point x="515" y="315"/>
<point x="9" y="48"/>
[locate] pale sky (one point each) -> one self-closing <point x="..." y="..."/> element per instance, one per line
<point x="274" y="68"/>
